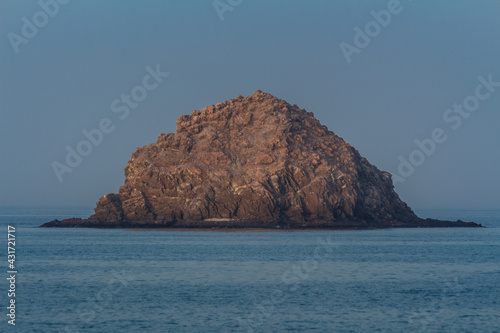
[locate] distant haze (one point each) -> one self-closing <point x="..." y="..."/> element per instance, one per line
<point x="71" y="68"/>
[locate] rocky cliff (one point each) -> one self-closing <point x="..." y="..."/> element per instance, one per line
<point x="253" y="161"/>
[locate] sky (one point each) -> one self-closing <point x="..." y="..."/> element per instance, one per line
<point x="413" y="85"/>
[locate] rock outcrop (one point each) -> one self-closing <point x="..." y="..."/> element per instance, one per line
<point x="253" y="161"/>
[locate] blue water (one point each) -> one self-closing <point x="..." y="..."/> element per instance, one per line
<point x="400" y="280"/>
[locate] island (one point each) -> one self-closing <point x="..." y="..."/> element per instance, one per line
<point x="252" y="162"/>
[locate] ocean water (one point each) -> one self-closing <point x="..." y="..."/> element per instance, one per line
<point x="398" y="280"/>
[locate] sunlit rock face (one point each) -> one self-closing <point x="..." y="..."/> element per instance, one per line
<point x="253" y="161"/>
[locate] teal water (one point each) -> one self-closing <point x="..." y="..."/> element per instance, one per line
<point x="399" y="280"/>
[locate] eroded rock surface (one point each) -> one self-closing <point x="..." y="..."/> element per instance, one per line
<point x="253" y="161"/>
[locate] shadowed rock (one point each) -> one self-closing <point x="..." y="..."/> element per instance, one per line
<point x="253" y="161"/>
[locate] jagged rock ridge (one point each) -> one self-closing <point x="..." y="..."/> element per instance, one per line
<point x="253" y="161"/>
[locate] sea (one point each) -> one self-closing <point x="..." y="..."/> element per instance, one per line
<point x="129" y="280"/>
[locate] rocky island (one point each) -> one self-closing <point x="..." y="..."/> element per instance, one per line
<point x="252" y="162"/>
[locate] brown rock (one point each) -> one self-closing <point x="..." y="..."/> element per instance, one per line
<point x="252" y="162"/>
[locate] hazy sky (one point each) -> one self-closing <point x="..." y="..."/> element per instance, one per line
<point x="62" y="76"/>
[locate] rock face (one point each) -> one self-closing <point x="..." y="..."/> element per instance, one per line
<point x="253" y="161"/>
